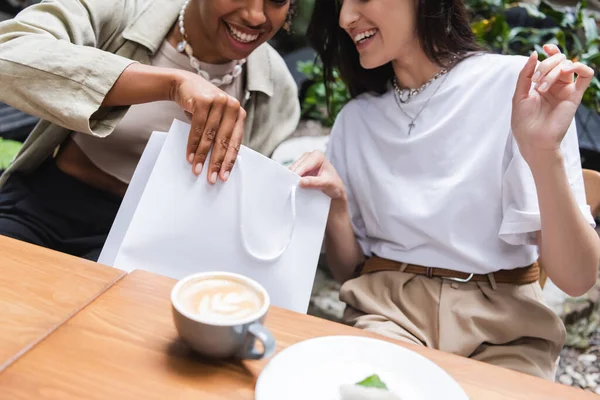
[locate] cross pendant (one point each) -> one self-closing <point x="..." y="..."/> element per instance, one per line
<point x="410" y="127"/>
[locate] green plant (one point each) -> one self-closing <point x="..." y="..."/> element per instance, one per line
<point x="8" y="150"/>
<point x="314" y="105"/>
<point x="574" y="30"/>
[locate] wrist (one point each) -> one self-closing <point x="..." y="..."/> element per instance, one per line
<point x="159" y="83"/>
<point x="338" y="209"/>
<point x="141" y="83"/>
<point x="173" y="80"/>
<point x="340" y="204"/>
<point x="543" y="159"/>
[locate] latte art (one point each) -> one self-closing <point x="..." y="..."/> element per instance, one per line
<point x="221" y="299"/>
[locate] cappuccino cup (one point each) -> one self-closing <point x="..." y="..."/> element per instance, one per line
<point x="221" y="314"/>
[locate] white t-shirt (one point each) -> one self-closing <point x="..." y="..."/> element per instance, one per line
<point x="456" y="193"/>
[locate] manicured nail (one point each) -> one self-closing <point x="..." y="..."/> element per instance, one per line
<point x="213" y="177"/>
<point x="536" y="76"/>
<point x="543" y="87"/>
<point x="198" y="169"/>
<point x="191" y="157"/>
<point x="225" y="176"/>
<point x="304" y="181"/>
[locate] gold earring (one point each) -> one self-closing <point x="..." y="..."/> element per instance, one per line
<point x="287" y="25"/>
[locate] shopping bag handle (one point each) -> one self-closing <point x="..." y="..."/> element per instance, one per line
<point x="245" y="244"/>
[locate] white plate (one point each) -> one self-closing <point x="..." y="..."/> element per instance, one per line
<point x="316" y="368"/>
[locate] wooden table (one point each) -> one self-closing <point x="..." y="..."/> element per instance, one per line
<point x="124" y="346"/>
<point x="39" y="290"/>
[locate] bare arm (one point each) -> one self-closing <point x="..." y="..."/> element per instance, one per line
<point x="143" y="84"/>
<point x="343" y="251"/>
<point x="569" y="246"/>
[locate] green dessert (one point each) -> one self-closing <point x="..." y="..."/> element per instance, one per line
<point x="370" y="388"/>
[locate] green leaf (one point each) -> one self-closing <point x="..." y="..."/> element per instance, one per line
<point x="562" y="42"/>
<point x="314" y="105"/>
<point x="320" y="90"/>
<point x="514" y="32"/>
<point x="591" y="59"/>
<point x="558" y="16"/>
<point x="591" y="30"/>
<point x="480" y="28"/>
<point x="374" y="382"/>
<point x="8" y="151"/>
<point x="532" y="10"/>
<point x="577" y="45"/>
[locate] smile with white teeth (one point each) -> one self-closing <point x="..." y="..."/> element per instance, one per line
<point x="361" y="37"/>
<point x="241" y="36"/>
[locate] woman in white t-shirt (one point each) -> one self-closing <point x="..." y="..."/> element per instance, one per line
<point x="445" y="171"/>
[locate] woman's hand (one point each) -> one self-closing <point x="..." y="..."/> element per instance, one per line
<point x="217" y="122"/>
<point x="542" y="116"/>
<point x="318" y="173"/>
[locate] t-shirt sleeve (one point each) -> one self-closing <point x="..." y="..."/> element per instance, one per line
<point x="336" y="154"/>
<point x="521" y="214"/>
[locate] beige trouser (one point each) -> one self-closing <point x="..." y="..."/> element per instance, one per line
<point x="501" y="324"/>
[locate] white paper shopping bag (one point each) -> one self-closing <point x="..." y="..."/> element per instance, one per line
<point x="259" y="223"/>
<point x="132" y="198"/>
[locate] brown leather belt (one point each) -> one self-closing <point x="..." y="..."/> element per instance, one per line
<point x="518" y="276"/>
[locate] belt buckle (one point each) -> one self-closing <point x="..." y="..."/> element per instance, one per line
<point x="460" y="280"/>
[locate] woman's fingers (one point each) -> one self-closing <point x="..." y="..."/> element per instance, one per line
<point x="524" y="80"/>
<point x="215" y="121"/>
<point x="297" y="162"/>
<point x="551" y="49"/>
<point x="234" y="145"/>
<point x="314" y="182"/>
<point x="584" y="74"/>
<point x="321" y="174"/>
<point x="221" y="141"/>
<point x="558" y="73"/>
<point x="199" y="108"/>
<point x="308" y="162"/>
<point x="210" y="131"/>
<point x="326" y="183"/>
<point x="546" y="66"/>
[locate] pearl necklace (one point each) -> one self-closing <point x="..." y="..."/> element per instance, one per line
<point x="184" y="46"/>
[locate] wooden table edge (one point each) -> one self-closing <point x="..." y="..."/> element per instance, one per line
<point x="56" y="326"/>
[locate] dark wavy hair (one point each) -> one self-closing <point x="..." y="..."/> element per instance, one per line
<point x="443" y="30"/>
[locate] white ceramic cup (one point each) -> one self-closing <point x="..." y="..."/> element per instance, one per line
<point x="230" y="339"/>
